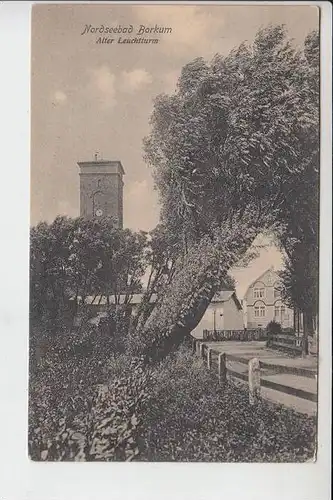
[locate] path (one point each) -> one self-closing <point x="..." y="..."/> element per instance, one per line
<point x="275" y="362"/>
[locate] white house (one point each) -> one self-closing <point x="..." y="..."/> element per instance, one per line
<point x="223" y="313"/>
<point x="263" y="302"/>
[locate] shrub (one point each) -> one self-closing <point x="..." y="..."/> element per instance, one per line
<point x="273" y="328"/>
<point x="86" y="419"/>
<point x="191" y="418"/>
<point x="87" y="406"/>
<point x="84" y="396"/>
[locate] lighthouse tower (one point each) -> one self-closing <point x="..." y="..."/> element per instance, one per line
<point x="101" y="189"/>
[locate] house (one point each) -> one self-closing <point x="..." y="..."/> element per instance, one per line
<point x="100" y="303"/>
<point x="263" y="302"/>
<point x="223" y="313"/>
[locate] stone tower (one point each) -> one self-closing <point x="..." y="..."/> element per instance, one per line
<point x="101" y="189"/>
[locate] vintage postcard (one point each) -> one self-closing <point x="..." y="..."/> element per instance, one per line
<point x="174" y="242"/>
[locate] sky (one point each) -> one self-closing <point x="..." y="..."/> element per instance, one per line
<point x="88" y="97"/>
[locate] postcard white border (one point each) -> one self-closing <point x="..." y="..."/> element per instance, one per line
<point x="21" y="479"/>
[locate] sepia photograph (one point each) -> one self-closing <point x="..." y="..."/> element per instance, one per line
<point x="174" y="233"/>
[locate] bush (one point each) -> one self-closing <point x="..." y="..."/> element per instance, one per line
<point x="273" y="328"/>
<point x="79" y="411"/>
<point x="84" y="396"/>
<point x="95" y="404"/>
<point x="191" y="418"/>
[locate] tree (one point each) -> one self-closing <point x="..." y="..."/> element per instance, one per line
<point x="162" y="251"/>
<point x="122" y="264"/>
<point x="49" y="259"/>
<point x="226" y="151"/>
<point x="203" y="271"/>
<point x="74" y="258"/>
<point x="232" y="134"/>
<point x="300" y="286"/>
<point x="299" y="232"/>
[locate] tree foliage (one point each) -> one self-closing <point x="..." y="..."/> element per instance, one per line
<point x="81" y="257"/>
<point x="235" y="134"/>
<point x="202" y="272"/>
<point x="299" y="233"/>
<point x="232" y="152"/>
<point x="300" y="282"/>
<point x="162" y="251"/>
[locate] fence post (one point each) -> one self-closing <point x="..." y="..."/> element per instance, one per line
<point x="254" y="381"/>
<point x="313" y="348"/>
<point x="222" y="368"/>
<point x="201" y="349"/>
<point x="209" y="358"/>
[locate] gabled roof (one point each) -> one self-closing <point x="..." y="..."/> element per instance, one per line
<point x="259" y="278"/>
<point x="225" y="295"/>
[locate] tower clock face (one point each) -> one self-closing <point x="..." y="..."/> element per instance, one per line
<point x="99" y="212"/>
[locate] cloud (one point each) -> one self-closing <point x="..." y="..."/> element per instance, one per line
<point x="192" y="27"/>
<point x="131" y="81"/>
<point x="104" y="84"/>
<point x="104" y="81"/>
<point x="60" y="97"/>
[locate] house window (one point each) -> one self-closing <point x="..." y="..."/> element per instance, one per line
<point x="259" y="311"/>
<point x="281" y="312"/>
<point x="259" y="293"/>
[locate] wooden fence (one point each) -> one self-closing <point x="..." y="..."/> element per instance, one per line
<point x="287" y="342"/>
<point x="253" y="372"/>
<point x="242" y="335"/>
